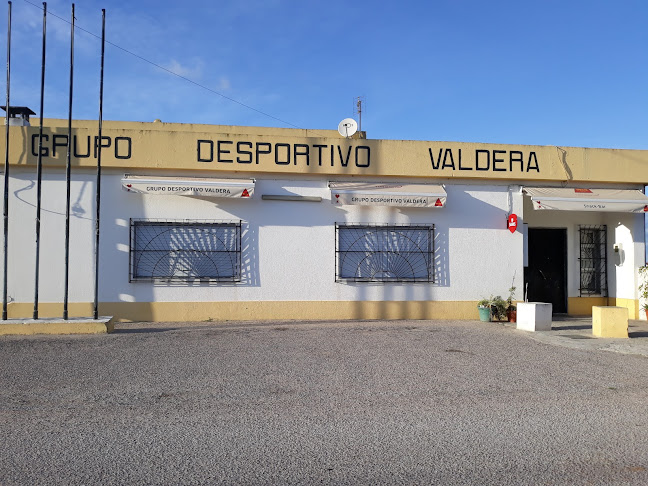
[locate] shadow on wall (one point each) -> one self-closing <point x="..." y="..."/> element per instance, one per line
<point x="249" y="265"/>
<point x="441" y="257"/>
<point x="467" y="209"/>
<point x="250" y="255"/>
<point x="76" y="206"/>
<point x="397" y="300"/>
<point x="116" y="258"/>
<point x="116" y="244"/>
<point x="52" y="244"/>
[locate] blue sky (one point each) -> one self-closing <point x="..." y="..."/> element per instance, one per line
<point x="568" y="73"/>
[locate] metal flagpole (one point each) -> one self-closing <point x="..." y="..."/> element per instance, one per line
<point x="100" y="141"/>
<point x="39" y="167"/>
<point x="67" y="175"/>
<point x="6" y="173"/>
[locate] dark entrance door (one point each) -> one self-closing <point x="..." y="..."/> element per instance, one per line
<point x="546" y="276"/>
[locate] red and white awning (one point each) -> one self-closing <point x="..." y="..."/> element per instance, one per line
<point x="189" y="186"/>
<point x="577" y="199"/>
<point x="378" y="194"/>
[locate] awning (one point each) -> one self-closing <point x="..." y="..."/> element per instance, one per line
<point x="189" y="186"/>
<point x="575" y="199"/>
<point x="377" y="194"/>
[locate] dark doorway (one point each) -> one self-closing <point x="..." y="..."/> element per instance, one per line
<point x="546" y="276"/>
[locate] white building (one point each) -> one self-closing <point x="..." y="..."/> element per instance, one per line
<point x="226" y="223"/>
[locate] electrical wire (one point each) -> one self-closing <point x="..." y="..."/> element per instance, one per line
<point x="76" y="26"/>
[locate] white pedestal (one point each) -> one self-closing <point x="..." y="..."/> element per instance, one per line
<point x="534" y="316"/>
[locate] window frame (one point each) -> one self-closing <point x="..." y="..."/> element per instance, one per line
<point x="597" y="270"/>
<point x="428" y="253"/>
<point x="236" y="267"/>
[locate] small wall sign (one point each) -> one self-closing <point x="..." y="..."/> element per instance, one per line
<point x="512" y="222"/>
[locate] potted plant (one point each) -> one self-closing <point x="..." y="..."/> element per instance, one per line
<point x="498" y="308"/>
<point x="643" y="288"/>
<point x="511" y="310"/>
<point x="484" y="308"/>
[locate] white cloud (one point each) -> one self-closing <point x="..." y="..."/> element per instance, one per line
<point x="192" y="71"/>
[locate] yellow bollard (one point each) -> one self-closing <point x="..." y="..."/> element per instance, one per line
<point x="610" y="322"/>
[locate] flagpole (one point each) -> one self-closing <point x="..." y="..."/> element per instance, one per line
<point x="39" y="167"/>
<point x="68" y="174"/>
<point x="100" y="141"/>
<point x="6" y="173"/>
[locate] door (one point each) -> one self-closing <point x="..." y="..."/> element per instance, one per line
<point x="546" y="276"/>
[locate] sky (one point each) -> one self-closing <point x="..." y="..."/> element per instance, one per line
<point x="551" y="72"/>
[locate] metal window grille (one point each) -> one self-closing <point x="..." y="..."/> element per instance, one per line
<point x="593" y="260"/>
<point x="384" y="253"/>
<point x="185" y="250"/>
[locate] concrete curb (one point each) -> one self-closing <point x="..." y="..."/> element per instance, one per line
<point x="76" y="325"/>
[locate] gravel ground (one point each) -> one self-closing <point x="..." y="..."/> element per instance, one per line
<point x="407" y="402"/>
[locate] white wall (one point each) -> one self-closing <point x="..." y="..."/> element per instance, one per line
<point x="22" y="243"/>
<point x="288" y="247"/>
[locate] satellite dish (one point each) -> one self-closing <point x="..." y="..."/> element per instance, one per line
<point x="347" y="127"/>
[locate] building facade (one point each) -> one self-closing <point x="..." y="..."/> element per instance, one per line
<point x="220" y="223"/>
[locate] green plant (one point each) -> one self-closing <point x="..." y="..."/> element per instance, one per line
<point x="509" y="300"/>
<point x="498" y="307"/>
<point x="643" y="286"/>
<point x="484" y="303"/>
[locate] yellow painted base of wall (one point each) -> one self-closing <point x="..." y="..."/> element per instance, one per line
<point x="582" y="306"/>
<point x="610" y="322"/>
<point x="260" y="310"/>
<point x="28" y="327"/>
<point x="631" y="304"/>
<point x="304" y="310"/>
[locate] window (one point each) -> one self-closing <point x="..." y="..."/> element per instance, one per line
<point x="185" y="250"/>
<point x="593" y="260"/>
<point x="384" y="253"/>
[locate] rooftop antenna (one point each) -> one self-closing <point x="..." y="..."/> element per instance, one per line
<point x="357" y="109"/>
<point x="347" y="127"/>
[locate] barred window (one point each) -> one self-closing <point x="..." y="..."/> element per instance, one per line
<point x="185" y="250"/>
<point x="593" y="260"/>
<point x="384" y="253"/>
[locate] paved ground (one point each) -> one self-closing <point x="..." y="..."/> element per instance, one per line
<point x="408" y="402"/>
<point x="576" y="333"/>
